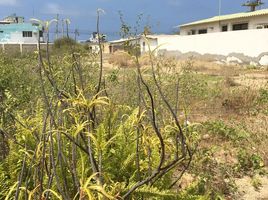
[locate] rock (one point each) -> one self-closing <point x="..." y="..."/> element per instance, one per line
<point x="264" y="60"/>
<point x="206" y="136"/>
<point x="232" y="59"/>
<point x="187" y="123"/>
<point x="252" y="63"/>
<point x="219" y="62"/>
<point x="186" y="180"/>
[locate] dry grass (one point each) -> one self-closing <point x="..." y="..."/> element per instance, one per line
<point x="121" y="59"/>
<point x="257" y="79"/>
<point x="145" y="60"/>
<point x="239" y="99"/>
<point x="230" y="82"/>
<point x="236" y="90"/>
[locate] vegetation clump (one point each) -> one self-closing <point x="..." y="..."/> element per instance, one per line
<point x="64" y="42"/>
<point x="75" y="126"/>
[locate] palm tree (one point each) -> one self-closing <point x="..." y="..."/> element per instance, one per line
<point x="45" y="24"/>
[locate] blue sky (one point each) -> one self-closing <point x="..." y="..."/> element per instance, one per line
<point x="162" y="15"/>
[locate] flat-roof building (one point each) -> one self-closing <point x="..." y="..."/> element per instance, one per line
<point x="223" y="23"/>
<point x="13" y="30"/>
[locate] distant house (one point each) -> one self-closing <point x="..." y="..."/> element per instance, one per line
<point x="141" y="42"/>
<point x="13" y="30"/>
<point x="224" y="23"/>
<point x="93" y="42"/>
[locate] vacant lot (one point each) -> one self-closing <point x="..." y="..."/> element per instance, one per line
<point x="227" y="106"/>
<point x="69" y="130"/>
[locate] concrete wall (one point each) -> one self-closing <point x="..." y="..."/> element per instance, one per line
<point x="21" y="48"/>
<point x="146" y="43"/>
<point x="252" y="21"/>
<point x="251" y="43"/>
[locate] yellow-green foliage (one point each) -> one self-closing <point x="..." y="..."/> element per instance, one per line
<point x="48" y="120"/>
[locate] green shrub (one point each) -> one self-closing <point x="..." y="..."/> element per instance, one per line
<point x="249" y="162"/>
<point x="64" y="42"/>
<point x="263" y="96"/>
<point x="256" y="183"/>
<point x="221" y="129"/>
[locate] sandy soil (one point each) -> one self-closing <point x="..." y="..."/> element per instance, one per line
<point x="248" y="192"/>
<point x="256" y="80"/>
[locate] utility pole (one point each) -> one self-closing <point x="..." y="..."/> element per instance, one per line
<point x="76" y="33"/>
<point x="220" y="14"/>
<point x="220" y="7"/>
<point x="62" y="28"/>
<point x="67" y="21"/>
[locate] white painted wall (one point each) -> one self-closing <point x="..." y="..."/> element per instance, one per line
<point x="249" y="42"/>
<point x="145" y="44"/>
<point x="17" y="37"/>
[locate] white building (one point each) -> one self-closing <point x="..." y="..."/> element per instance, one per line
<point x="13" y="30"/>
<point x="224" y="23"/>
<point x="243" y="34"/>
<point x="143" y="43"/>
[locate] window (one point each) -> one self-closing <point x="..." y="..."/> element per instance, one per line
<point x="224" y="28"/>
<point x="237" y="27"/>
<point x="193" y="32"/>
<point x="202" y="31"/>
<point x="261" y="26"/>
<point x="27" y="33"/>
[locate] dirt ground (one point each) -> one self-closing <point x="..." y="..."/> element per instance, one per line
<point x="240" y="76"/>
<point x="246" y="190"/>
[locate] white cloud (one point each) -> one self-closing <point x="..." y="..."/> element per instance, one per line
<point x="8" y="2"/>
<point x="53" y="8"/>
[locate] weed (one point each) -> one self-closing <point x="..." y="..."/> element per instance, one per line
<point x="249" y="162"/>
<point x="239" y="99"/>
<point x="64" y="42"/>
<point x="256" y="183"/>
<point x="263" y="96"/>
<point x="121" y="59"/>
<point x="221" y="129"/>
<point x="229" y="82"/>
